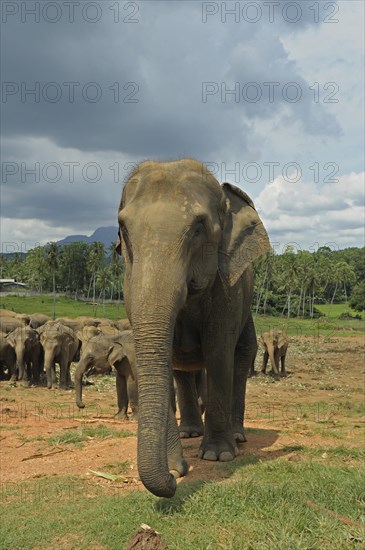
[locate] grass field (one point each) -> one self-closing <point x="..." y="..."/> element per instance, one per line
<point x="265" y="506"/>
<point x="65" y="307"/>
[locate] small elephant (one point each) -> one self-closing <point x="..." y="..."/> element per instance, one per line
<point x="275" y="345"/>
<point x="60" y="345"/>
<point x="99" y="355"/>
<point x="29" y="354"/>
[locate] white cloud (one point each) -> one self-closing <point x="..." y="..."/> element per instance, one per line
<point x="307" y="212"/>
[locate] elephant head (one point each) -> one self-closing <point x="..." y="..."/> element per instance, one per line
<point x="179" y="231"/>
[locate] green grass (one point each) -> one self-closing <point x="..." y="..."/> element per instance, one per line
<point x="335" y="310"/>
<point x="82" y="434"/>
<point x="309" y="328"/>
<point x="65" y="307"/>
<point x="267" y="506"/>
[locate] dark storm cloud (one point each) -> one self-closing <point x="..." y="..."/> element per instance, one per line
<point x="162" y="61"/>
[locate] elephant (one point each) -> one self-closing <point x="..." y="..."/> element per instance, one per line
<point x="123" y="324"/>
<point x="188" y="244"/>
<point x="90" y="331"/>
<point x="100" y="354"/>
<point x="275" y="345"/>
<point x="7" y="313"/>
<point x="29" y="354"/>
<point x="73" y="324"/>
<point x="7" y="324"/>
<point x="7" y="358"/>
<point x="60" y="345"/>
<point x="37" y="320"/>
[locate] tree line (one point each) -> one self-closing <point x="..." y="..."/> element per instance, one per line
<point x="293" y="283"/>
<point x="288" y="284"/>
<point x="80" y="269"/>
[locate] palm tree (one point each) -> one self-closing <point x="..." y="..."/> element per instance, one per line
<point x="52" y="259"/>
<point x="96" y="258"/>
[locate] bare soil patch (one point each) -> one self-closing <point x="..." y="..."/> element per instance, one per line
<point x="318" y="405"/>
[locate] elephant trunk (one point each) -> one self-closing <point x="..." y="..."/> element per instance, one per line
<point x="153" y="355"/>
<point x="81" y="368"/>
<point x="20" y="361"/>
<point x="273" y="360"/>
<point x="155" y="304"/>
<point x="49" y="356"/>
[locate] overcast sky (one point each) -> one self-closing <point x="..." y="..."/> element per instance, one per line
<point x="270" y="97"/>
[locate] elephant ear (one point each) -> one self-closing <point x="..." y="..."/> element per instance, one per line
<point x="115" y="354"/>
<point x="244" y="237"/>
<point x="118" y="243"/>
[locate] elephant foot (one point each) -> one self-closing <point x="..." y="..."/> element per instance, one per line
<point x="283" y="374"/>
<point x="122" y="415"/>
<point x="134" y="417"/>
<point x="26" y="383"/>
<point x="221" y="449"/>
<point x="191" y="430"/>
<point x="80" y="405"/>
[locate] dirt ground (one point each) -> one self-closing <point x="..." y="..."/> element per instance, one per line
<point x="318" y="405"/>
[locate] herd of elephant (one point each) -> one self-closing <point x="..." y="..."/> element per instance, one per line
<point x="31" y="343"/>
<point x="188" y="244"/>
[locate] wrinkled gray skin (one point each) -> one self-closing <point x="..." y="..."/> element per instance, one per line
<point x="29" y="354"/>
<point x="100" y="354"/>
<point x="7" y="358"/>
<point x="275" y="345"/>
<point x="188" y="244"/>
<point x="60" y="345"/>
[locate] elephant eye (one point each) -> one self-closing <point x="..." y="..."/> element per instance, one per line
<point x="198" y="230"/>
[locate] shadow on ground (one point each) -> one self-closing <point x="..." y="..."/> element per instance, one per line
<point x="256" y="449"/>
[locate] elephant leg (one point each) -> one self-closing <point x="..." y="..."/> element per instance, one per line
<point x="218" y="441"/>
<point x="68" y="377"/>
<point x="178" y="466"/>
<point x="122" y="396"/>
<point x="53" y="375"/>
<point x="63" y="374"/>
<point x="201" y="387"/>
<point x="265" y="361"/>
<point x="133" y="397"/>
<point x="191" y="424"/>
<point x="35" y="368"/>
<point x="283" y="371"/>
<point x="244" y="358"/>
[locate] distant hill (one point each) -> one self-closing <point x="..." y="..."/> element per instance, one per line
<point x="106" y="235"/>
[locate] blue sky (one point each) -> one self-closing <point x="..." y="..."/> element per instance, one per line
<point x="268" y="94"/>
